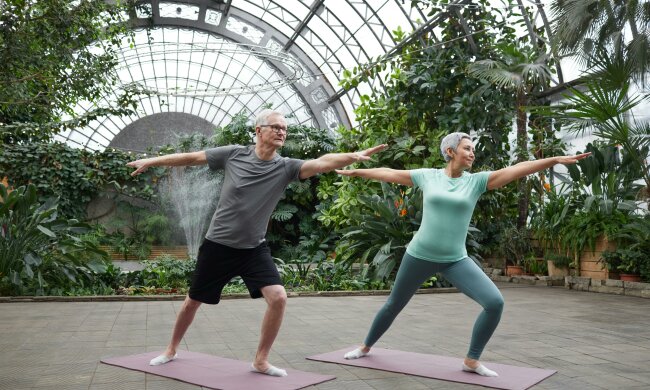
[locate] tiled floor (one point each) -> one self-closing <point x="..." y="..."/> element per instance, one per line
<point x="594" y="341"/>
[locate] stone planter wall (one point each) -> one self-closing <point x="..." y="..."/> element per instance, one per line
<point x="497" y="275"/>
<point x="578" y="283"/>
<point x="608" y="286"/>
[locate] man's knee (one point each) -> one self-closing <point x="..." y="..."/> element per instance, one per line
<point x="276" y="296"/>
<point x="191" y="305"/>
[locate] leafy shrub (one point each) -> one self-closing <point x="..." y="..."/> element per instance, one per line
<point x="385" y="226"/>
<point x="40" y="253"/>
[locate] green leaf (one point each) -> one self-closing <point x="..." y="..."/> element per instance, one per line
<point x="46" y="231"/>
<point x="574" y="172"/>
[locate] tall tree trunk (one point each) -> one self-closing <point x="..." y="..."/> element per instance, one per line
<point x="522" y="155"/>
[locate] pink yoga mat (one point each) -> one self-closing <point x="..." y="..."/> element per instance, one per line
<point x="216" y="372"/>
<point x="439" y="367"/>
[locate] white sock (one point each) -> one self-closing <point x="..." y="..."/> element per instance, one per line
<point x="481" y="370"/>
<point x="356" y="354"/>
<point x="162" y="359"/>
<point x="272" y="371"/>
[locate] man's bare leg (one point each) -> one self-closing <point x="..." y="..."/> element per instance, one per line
<point x="183" y="321"/>
<point x="276" y="300"/>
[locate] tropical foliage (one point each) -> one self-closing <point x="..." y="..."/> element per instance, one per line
<point x="332" y="232"/>
<point x="39" y="252"/>
<point x="585" y="27"/>
<point x="56" y="54"/>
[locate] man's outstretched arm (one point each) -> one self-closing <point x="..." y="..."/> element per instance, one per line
<point x="332" y="161"/>
<point x="170" y="160"/>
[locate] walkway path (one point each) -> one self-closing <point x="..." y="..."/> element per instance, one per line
<point x="595" y="341"/>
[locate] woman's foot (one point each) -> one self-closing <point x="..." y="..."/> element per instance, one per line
<point x="472" y="365"/>
<point x="268" y="370"/>
<point x="357" y="353"/>
<point x="162" y="359"/>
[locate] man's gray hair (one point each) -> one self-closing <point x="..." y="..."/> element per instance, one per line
<point x="263" y="117"/>
<point x="451" y="141"/>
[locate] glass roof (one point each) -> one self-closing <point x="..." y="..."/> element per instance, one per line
<point x="215" y="59"/>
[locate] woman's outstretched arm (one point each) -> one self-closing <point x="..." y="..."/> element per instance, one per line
<point x="384" y="174"/>
<point x="506" y="175"/>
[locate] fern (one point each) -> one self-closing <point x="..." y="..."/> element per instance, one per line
<point x="284" y="212"/>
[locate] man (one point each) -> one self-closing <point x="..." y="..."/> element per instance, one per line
<point x="254" y="181"/>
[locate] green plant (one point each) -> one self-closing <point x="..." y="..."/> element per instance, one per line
<point x="597" y="201"/>
<point x="534" y="266"/>
<point x="297" y="262"/>
<point x="604" y="108"/>
<point x="585" y="227"/>
<point x="522" y="70"/>
<point x="634" y="238"/>
<point x="559" y="260"/>
<point x="56" y="54"/>
<point x="38" y="251"/>
<point x="585" y="27"/>
<point x="167" y="272"/>
<point x="548" y="221"/>
<point x="386" y="226"/>
<point x="623" y="260"/>
<point x="515" y="244"/>
<point x="56" y="168"/>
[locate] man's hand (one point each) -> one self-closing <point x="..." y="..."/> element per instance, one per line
<point x="364" y="155"/>
<point x="140" y="165"/>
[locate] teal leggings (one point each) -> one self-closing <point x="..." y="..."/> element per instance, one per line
<point x="464" y="275"/>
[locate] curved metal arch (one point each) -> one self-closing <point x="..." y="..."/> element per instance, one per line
<point x="270" y="33"/>
<point x="297" y="25"/>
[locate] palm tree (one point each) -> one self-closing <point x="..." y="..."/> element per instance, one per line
<point x="586" y="26"/>
<point x="523" y="72"/>
<point x="605" y="107"/>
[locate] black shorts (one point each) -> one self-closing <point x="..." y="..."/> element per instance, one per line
<point x="218" y="264"/>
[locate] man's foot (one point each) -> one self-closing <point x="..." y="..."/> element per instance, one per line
<point x="162" y="359"/>
<point x="479" y="369"/>
<point x="272" y="371"/>
<point x="356" y="354"/>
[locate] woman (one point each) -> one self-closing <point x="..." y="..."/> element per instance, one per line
<point x="449" y="197"/>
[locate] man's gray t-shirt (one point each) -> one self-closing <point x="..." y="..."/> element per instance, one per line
<point x="251" y="189"/>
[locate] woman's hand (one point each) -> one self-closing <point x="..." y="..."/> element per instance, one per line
<point x="347" y="172"/>
<point x="567" y="160"/>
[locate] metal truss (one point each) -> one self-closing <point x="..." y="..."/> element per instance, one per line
<point x="324" y="36"/>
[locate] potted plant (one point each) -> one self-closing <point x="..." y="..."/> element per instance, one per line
<point x="535" y="266"/>
<point x="557" y="264"/>
<point x="515" y="246"/>
<point x="626" y="261"/>
<point x="630" y="265"/>
<point x="610" y="260"/>
<point x="635" y="258"/>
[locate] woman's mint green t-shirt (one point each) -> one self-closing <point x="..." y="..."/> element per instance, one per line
<point x="448" y="206"/>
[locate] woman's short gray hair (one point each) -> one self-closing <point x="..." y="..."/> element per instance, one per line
<point x="263" y="117"/>
<point x="451" y="141"/>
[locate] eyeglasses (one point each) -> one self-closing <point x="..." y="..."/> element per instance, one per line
<point x="277" y="129"/>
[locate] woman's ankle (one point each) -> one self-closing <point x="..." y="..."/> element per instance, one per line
<point x="471" y="363"/>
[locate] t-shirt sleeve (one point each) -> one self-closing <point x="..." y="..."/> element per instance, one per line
<point x="217" y="157"/>
<point x="417" y="176"/>
<point x="480" y="182"/>
<point x="292" y="167"/>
